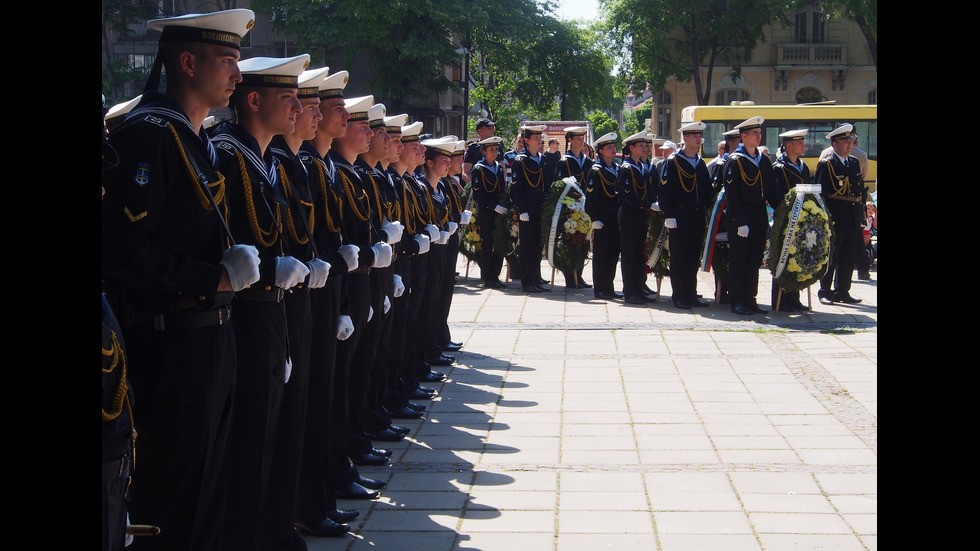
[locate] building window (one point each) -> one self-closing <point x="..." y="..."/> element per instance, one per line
<point x="873" y="97"/>
<point x="809" y="25"/>
<point x="726" y="97"/>
<point x="663" y="114"/>
<point x="809" y="95"/>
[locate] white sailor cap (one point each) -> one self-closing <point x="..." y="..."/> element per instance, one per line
<point x="749" y="124"/>
<point x="209" y="121"/>
<point x="309" y="82"/>
<point x="577" y="130"/>
<point x="638" y="137"/>
<point x="793" y="135"/>
<point x="358" y="108"/>
<point x="394" y="124"/>
<point x="120" y="110"/>
<point x="376" y="115"/>
<point x="492" y="140"/>
<point x="534" y="129"/>
<point x="650" y="137"/>
<point x="460" y="147"/>
<point x="842" y="132"/>
<point x="440" y="145"/>
<point x="693" y="128"/>
<point x="410" y="133"/>
<point x="273" y="72"/>
<point x="732" y="134"/>
<point x="225" y="28"/>
<point x="605" y="139"/>
<point x="669" y="145"/>
<point x="333" y="86"/>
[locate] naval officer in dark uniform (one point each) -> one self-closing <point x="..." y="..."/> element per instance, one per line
<point x="789" y="170"/>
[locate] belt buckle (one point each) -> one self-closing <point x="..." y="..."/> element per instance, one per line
<point x="224" y="315"/>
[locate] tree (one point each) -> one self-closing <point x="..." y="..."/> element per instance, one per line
<point x="117" y="17"/>
<point x="635" y="119"/>
<point x="862" y="12"/>
<point x="602" y="124"/>
<point x="660" y="39"/>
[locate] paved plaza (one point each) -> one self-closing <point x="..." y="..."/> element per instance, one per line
<point x="573" y="424"/>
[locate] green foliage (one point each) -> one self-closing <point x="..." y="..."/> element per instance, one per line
<point x="603" y="124"/>
<point x="635" y="119"/>
<point x="660" y="39"/>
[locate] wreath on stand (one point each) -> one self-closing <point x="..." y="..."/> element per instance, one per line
<point x="469" y="240"/>
<point x="800" y="239"/>
<point x="565" y="226"/>
<point x="655" y="248"/>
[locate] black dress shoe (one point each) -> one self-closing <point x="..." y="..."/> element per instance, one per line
<point x="451" y="346"/>
<point x="683" y="304"/>
<point x="495" y="284"/>
<point x="636" y="300"/>
<point x="846" y="298"/>
<point x="379" y="451"/>
<point x="432" y="377"/>
<point x="742" y="310"/>
<point x="583" y="285"/>
<point x="416" y="407"/>
<point x="542" y="282"/>
<point x="532" y="289"/>
<point x="326" y="528"/>
<point x="405" y="412"/>
<point x="342" y="516"/>
<point x="441" y="360"/>
<point x="759" y="310"/>
<point x="370" y="483"/>
<point x="603" y="295"/>
<point x="369" y="460"/>
<point x="826" y="300"/>
<point x="386" y="435"/>
<point x="648" y="290"/>
<point x="418" y="394"/>
<point x="399" y="430"/>
<point x="700" y="303"/>
<point x="356" y="491"/>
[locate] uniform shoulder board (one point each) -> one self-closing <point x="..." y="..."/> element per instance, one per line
<point x="153" y="119"/>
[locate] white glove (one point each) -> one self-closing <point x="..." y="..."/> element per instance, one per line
<point x="525" y="217"/>
<point x="399" y="288"/>
<point x="433" y="232"/>
<point x="387" y="304"/>
<point x="670" y="223"/>
<point x="370" y="312"/>
<point x="242" y="264"/>
<point x="597" y="224"/>
<point x="289" y="368"/>
<point x="655" y="207"/>
<point x="743" y="231"/>
<point x="443" y="237"/>
<point x="423" y="241"/>
<point x="500" y="209"/>
<point x="290" y="272"/>
<point x="393" y="230"/>
<point x="453" y="226"/>
<point x="344" y="328"/>
<point x="349" y="254"/>
<point x="319" y="270"/>
<point x="464" y="217"/>
<point x="382" y="255"/>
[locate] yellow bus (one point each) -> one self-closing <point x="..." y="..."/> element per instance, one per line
<point x="818" y="118"/>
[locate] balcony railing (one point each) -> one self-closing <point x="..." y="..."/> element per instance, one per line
<point x="812" y="54"/>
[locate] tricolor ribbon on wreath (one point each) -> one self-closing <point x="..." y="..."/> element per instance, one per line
<point x="802" y="190"/>
<point x="712" y="235"/>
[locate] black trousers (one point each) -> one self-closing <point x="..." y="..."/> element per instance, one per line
<point x="605" y="256"/>
<point x="633" y="226"/>
<point x="359" y="300"/>
<point x="745" y="258"/>
<point x="848" y="245"/>
<point x="530" y="248"/>
<point x="260" y="334"/>
<point x="491" y="260"/>
<point x="186" y="381"/>
<point x="686" y="241"/>
<point x="316" y="497"/>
